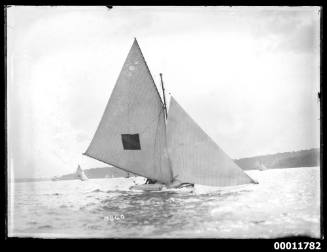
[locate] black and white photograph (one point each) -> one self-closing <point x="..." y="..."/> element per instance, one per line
<point x="163" y="122"/>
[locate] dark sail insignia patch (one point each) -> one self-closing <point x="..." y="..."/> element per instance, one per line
<point x="131" y="141"/>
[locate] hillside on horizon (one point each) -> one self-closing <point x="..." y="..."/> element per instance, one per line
<point x="302" y="158"/>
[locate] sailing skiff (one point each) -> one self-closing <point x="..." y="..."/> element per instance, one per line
<point x="136" y="134"/>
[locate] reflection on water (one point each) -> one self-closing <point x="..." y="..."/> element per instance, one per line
<point x="285" y="202"/>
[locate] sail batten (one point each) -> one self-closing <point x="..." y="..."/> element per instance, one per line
<point x="132" y="131"/>
<point x="195" y="157"/>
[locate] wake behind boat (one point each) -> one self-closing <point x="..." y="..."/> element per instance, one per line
<point x="138" y="135"/>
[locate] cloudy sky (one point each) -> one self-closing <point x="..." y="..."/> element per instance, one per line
<point x="248" y="75"/>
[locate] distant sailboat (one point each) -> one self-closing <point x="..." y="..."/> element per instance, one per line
<point x="55" y="178"/>
<point x="80" y="173"/>
<point x="135" y="135"/>
<point x="261" y="166"/>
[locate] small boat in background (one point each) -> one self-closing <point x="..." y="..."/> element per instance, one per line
<point x="260" y="166"/>
<point x="55" y="178"/>
<point x="81" y="174"/>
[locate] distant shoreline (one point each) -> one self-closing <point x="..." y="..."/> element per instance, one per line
<point x="295" y="159"/>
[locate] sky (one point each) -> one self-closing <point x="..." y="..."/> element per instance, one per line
<point x="249" y="76"/>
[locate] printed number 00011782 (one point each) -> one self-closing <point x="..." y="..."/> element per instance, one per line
<point x="297" y="245"/>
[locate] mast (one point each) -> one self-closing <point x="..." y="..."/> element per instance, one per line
<point x="164" y="96"/>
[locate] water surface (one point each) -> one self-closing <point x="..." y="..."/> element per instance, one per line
<point x="285" y="202"/>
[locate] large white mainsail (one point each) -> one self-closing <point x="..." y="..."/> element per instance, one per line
<point x="195" y="157"/>
<point x="132" y="132"/>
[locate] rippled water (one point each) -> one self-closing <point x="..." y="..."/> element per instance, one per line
<point x="285" y="202"/>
